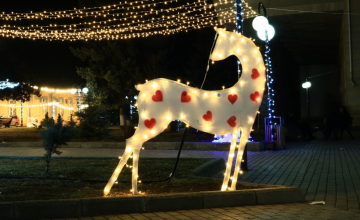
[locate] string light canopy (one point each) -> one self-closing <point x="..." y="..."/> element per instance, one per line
<point x="128" y="19"/>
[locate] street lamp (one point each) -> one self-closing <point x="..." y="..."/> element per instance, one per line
<point x="306" y="85"/>
<point x="266" y="32"/>
<point x="79" y="90"/>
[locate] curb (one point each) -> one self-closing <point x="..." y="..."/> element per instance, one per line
<point x="75" y="208"/>
<point x="202" y="146"/>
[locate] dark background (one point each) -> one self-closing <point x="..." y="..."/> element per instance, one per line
<point x="44" y="63"/>
<point x="52" y="64"/>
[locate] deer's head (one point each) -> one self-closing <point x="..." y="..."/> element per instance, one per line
<point x="231" y="43"/>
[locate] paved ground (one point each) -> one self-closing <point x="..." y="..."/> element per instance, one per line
<point x="324" y="170"/>
<point x="288" y="212"/>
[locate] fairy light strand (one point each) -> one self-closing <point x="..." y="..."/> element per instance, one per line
<point x="130" y="20"/>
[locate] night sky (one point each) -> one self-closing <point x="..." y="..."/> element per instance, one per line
<point x="52" y="64"/>
<point x="46" y="63"/>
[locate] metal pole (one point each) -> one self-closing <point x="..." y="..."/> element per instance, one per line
<point x="269" y="79"/>
<point x="53" y="110"/>
<point x="239" y="30"/>
<point x="263" y="7"/>
<point x="307" y="104"/>
<point x="22" y="112"/>
<point x="79" y="106"/>
<point x="22" y="102"/>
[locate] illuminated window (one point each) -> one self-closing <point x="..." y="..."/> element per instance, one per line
<point x="69" y="102"/>
<point x="45" y="108"/>
<point x="12" y="107"/>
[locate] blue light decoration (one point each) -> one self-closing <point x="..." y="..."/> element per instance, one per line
<point x="226" y="138"/>
<point x="266" y="32"/>
<point x="7" y="84"/>
<point x="239" y="23"/>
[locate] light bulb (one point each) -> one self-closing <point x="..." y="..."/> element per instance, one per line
<point x="260" y="23"/>
<point x="271" y="33"/>
<point x="306" y="85"/>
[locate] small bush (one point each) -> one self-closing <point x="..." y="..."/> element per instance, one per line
<point x="46" y="120"/>
<point x="55" y="135"/>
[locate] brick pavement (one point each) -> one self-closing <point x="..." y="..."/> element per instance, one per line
<point x="282" y="211"/>
<point x="324" y="170"/>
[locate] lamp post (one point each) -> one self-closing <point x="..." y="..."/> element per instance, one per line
<point x="22" y="104"/>
<point x="306" y="85"/>
<point x="266" y="32"/>
<point x="79" y="90"/>
<point x="54" y="103"/>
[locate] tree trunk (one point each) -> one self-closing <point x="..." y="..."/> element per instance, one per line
<point x="122" y="117"/>
<point x="123" y="123"/>
<point x="47" y="159"/>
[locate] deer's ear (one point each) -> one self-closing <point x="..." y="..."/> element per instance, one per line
<point x="218" y="30"/>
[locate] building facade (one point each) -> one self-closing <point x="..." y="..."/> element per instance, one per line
<point x="51" y="101"/>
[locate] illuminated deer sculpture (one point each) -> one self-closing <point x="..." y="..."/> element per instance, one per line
<point x="220" y="112"/>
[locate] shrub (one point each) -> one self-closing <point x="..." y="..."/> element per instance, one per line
<point x="46" y="120"/>
<point x="55" y="135"/>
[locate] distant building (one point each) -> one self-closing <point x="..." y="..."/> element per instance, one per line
<point x="52" y="101"/>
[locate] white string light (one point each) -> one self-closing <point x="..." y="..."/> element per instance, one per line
<point x="130" y="20"/>
<point x="42" y="105"/>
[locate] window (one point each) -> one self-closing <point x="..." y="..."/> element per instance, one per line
<point x="12" y="108"/>
<point x="45" y="108"/>
<point x="69" y="102"/>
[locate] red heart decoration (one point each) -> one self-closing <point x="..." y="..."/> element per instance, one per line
<point x="208" y="116"/>
<point x="255" y="74"/>
<point x="158" y="97"/>
<point x="150" y="123"/>
<point x="232" y="98"/>
<point x="185" y="97"/>
<point x="255" y="97"/>
<point x="231" y="121"/>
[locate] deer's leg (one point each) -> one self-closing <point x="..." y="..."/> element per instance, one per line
<point x="135" y="169"/>
<point x="243" y="140"/>
<point x="131" y="145"/>
<point x="229" y="162"/>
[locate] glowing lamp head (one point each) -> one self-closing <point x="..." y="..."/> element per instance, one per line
<point x="85" y="90"/>
<point x="271" y="33"/>
<point x="73" y="91"/>
<point x="260" y="23"/>
<point x="306" y="85"/>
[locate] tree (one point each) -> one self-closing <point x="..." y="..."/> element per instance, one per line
<point x="55" y="135"/>
<point x="93" y="125"/>
<point x="21" y="92"/>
